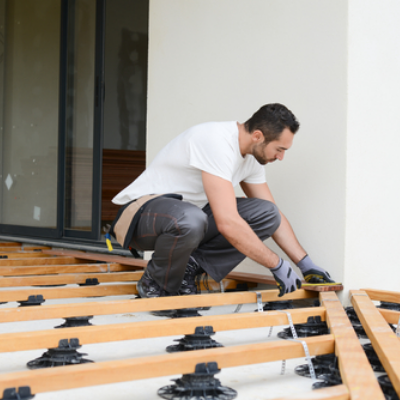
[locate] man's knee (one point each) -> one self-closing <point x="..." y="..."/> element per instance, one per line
<point x="193" y="226"/>
<point x="274" y="216"/>
<point x="262" y="215"/>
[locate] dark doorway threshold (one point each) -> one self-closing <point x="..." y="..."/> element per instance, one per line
<point x="96" y="247"/>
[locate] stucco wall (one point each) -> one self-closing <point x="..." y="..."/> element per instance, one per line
<point x="221" y="60"/>
<point x="373" y="143"/>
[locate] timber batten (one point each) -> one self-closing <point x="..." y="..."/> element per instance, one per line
<point x="117" y="275"/>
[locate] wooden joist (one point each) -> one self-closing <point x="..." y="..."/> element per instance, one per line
<point x="383" y="295"/>
<point x="241" y="276"/>
<point x="383" y="339"/>
<point x="53" y="268"/>
<point x="64" y="279"/>
<point x="49" y="260"/>
<point x="91" y="290"/>
<point x="21" y="254"/>
<point x="10" y="342"/>
<point x="69" y="377"/>
<point x="68" y="292"/>
<point x="140" y="264"/>
<point x="128" y="306"/>
<point x="355" y="369"/>
<point x="64" y="269"/>
<point x="11" y="246"/>
<point x="391" y="317"/>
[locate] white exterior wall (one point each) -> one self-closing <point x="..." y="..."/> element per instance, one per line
<point x="223" y="59"/>
<point x="373" y="144"/>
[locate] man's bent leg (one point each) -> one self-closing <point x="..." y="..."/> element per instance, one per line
<point x="216" y="255"/>
<point x="173" y="229"/>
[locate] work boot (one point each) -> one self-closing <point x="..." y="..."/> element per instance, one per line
<point x="188" y="285"/>
<point x="148" y="287"/>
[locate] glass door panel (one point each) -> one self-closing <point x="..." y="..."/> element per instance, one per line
<point x="80" y="109"/>
<point x="126" y="64"/>
<point x="29" y="93"/>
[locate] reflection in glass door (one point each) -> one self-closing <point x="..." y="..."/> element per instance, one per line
<point x="56" y="166"/>
<point x="126" y="64"/>
<point x="80" y="109"/>
<point x="29" y="93"/>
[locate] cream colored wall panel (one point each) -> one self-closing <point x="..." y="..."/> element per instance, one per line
<point x="222" y="60"/>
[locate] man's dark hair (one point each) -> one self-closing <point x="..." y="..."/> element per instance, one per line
<point x="271" y="120"/>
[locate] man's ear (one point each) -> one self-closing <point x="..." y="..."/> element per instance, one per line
<point x="257" y="136"/>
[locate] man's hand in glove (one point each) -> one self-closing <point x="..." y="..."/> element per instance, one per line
<point x="286" y="279"/>
<point x="312" y="273"/>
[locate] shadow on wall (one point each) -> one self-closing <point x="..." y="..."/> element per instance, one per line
<point x="131" y="89"/>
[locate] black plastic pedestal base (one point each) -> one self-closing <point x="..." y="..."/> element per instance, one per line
<point x="22" y="393"/>
<point x="201" y="385"/>
<point x="74" y="322"/>
<point x="199" y="340"/>
<point x="64" y="354"/>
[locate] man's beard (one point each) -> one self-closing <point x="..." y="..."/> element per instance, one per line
<point x="258" y="154"/>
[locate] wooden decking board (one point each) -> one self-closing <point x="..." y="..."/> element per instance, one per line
<point x="354" y="366"/>
<point x="338" y="392"/>
<point x="93" y="291"/>
<point x="103" y="277"/>
<point x="242" y="276"/>
<point x="269" y="280"/>
<point x="69" y="377"/>
<point x="99" y="257"/>
<point x="383" y="339"/>
<point x="383" y="295"/>
<point x="50" y="260"/>
<point x="391" y="317"/>
<point x="128" y="306"/>
<point x="69" y="292"/>
<point x="70" y="279"/>
<point x="22" y="255"/>
<point x="64" y="269"/>
<point x="21" y="341"/>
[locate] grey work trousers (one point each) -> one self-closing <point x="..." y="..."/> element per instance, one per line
<point x="176" y="229"/>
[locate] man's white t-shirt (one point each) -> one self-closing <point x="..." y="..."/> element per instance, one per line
<point x="212" y="147"/>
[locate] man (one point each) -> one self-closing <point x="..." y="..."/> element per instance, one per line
<point x="195" y="223"/>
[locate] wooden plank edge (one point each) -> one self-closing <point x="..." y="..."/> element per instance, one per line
<point x="69" y="292"/>
<point x="83" y="375"/>
<point x="143" y="305"/>
<point x="103" y="289"/>
<point x="99" y="257"/>
<point x="383" y="295"/>
<point x="383" y="339"/>
<point x="22" y="341"/>
<point x="355" y="369"/>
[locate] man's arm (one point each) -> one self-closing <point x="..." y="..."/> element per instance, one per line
<point x="231" y="225"/>
<point x="284" y="236"/>
<point x="286" y="239"/>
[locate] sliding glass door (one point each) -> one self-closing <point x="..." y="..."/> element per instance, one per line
<point x="59" y="168"/>
<point x="29" y="113"/>
<point x="50" y="117"/>
<point x="83" y="85"/>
